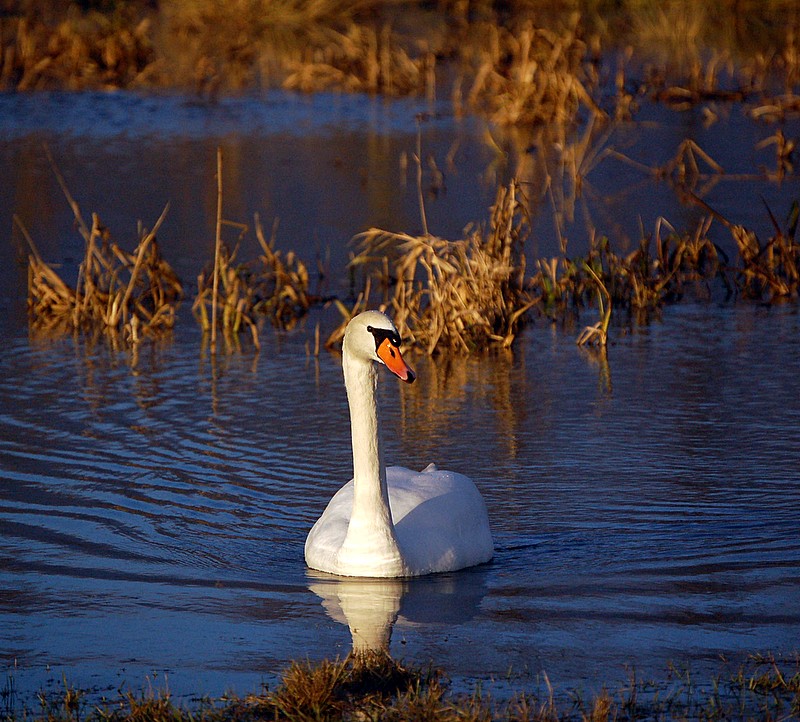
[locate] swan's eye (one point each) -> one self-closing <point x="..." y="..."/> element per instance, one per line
<point x="384" y="334"/>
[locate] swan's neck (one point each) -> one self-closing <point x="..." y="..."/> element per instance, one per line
<point x="370" y="547"/>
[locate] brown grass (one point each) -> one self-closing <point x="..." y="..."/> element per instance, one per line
<point x="533" y="76"/>
<point x="273" y="286"/>
<point x="663" y="269"/>
<point x="77" y="50"/>
<point x="526" y="62"/>
<point x="379" y="688"/>
<point x="473" y="294"/>
<point x="458" y="296"/>
<point x="770" y="270"/>
<point x="132" y="294"/>
<point x="307" y="46"/>
<point x="362" y="59"/>
<point x="463" y="295"/>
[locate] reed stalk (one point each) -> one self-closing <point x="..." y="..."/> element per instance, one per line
<point x="217" y="248"/>
<point x="597" y="334"/>
<point x="463" y="295"/>
<point x="275" y="285"/>
<point x="131" y="294"/>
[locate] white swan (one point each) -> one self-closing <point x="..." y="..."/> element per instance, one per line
<point x="392" y="522"/>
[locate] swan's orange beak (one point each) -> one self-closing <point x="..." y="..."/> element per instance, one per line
<point x="391" y="356"/>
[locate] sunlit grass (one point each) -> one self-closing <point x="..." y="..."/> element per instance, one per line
<point x="376" y="687"/>
<point x="237" y="293"/>
<point x="463" y="295"/>
<point x="525" y="62"/>
<point x="127" y="295"/>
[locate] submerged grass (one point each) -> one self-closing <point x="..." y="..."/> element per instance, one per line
<point x="127" y="295"/>
<point x="460" y="296"/>
<point x="377" y="687"/>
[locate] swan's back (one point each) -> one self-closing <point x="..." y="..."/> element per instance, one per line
<point x="440" y="522"/>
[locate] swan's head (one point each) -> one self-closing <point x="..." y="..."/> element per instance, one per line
<point x="372" y="336"/>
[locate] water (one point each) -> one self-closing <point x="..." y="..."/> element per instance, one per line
<point x="153" y="509"/>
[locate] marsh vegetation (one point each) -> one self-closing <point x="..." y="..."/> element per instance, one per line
<point x="556" y="81"/>
<point x="374" y="686"/>
<point x="562" y="77"/>
<point x="126" y="295"/>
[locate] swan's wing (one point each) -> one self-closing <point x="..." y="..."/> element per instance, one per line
<point x="328" y="533"/>
<point x="440" y="520"/>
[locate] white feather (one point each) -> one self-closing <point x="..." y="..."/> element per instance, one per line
<point x="395" y="522"/>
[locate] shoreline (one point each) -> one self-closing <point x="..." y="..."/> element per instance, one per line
<point x="373" y="685"/>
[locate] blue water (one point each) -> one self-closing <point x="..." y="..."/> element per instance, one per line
<point x="153" y="517"/>
<point x="153" y="508"/>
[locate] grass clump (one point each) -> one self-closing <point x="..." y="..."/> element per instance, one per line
<point x="473" y="294"/>
<point x="75" y="49"/>
<point x="373" y="686"/>
<point x="770" y="270"/>
<point x="362" y="59"/>
<point x="533" y="76"/>
<point x="274" y="285"/>
<point x="124" y="294"/>
<point x="520" y="63"/>
<point x="307" y="46"/>
<point x="463" y="295"/>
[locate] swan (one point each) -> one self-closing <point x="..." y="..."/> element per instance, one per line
<point x="392" y="522"/>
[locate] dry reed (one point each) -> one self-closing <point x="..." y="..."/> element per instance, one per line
<point x="770" y="270"/>
<point x="362" y="59"/>
<point x="76" y="50"/>
<point x="307" y="46"/>
<point x="132" y="294"/>
<point x="520" y="63"/>
<point x="473" y="293"/>
<point x="462" y="295"/>
<point x="662" y="269"/>
<point x="457" y="296"/>
<point x="274" y="285"/>
<point x="533" y="76"/>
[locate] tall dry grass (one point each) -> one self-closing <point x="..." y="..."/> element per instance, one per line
<point x="532" y="75"/>
<point x="77" y="50"/>
<point x="233" y="295"/>
<point x="308" y="46"/>
<point x="523" y="62"/>
<point x="273" y="286"/>
<point x="124" y="294"/>
<point x="463" y="295"/>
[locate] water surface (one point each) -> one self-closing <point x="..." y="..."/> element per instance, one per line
<point x="153" y="519"/>
<point x="153" y="510"/>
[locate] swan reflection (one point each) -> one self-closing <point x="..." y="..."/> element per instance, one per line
<point x="371" y="607"/>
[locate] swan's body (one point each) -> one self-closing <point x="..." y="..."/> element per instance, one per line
<point x="395" y="522"/>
